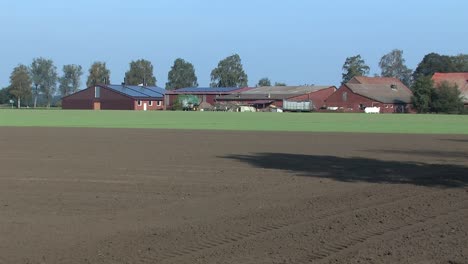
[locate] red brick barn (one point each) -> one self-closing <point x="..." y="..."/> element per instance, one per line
<point x="390" y="94"/>
<point x="459" y="78"/>
<point x="206" y="96"/>
<point x="263" y="97"/>
<point x="116" y="97"/>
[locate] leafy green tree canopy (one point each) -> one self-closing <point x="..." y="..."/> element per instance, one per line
<point x="423" y="92"/>
<point x="393" y="65"/>
<point x="447" y="99"/>
<point x="44" y="78"/>
<point x="20" y="83"/>
<point x="181" y="75"/>
<point x="354" y="66"/>
<point x="70" y="81"/>
<point x="264" y="82"/>
<point x="98" y="73"/>
<point x="229" y="73"/>
<point x="460" y="62"/>
<point x="280" y="84"/>
<point x="433" y="63"/>
<point x="141" y="72"/>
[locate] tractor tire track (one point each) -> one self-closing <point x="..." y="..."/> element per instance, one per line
<point x="227" y="238"/>
<point x="336" y="247"/>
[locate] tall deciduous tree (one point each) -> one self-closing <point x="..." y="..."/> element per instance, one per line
<point x="354" y="66"/>
<point x="70" y="81"/>
<point x="20" y="83"/>
<point x="264" y="82"/>
<point x="141" y="72"/>
<point x="423" y="93"/>
<point x="181" y="75"/>
<point x="229" y="73"/>
<point x="98" y="73"/>
<point x="393" y="65"/>
<point x="44" y="78"/>
<point x="433" y="63"/>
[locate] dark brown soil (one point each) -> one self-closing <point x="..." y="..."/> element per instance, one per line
<point x="162" y="196"/>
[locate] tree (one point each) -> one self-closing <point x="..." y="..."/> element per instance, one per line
<point x="423" y="93"/>
<point x="354" y="66"/>
<point x="5" y="95"/>
<point x="460" y="62"/>
<point x="229" y="73"/>
<point x="393" y="65"/>
<point x="181" y="75"/>
<point x="141" y="72"/>
<point x="20" y="83"/>
<point x="98" y="73"/>
<point x="44" y="78"/>
<point x="280" y="84"/>
<point x="447" y="99"/>
<point x="433" y="63"/>
<point x="70" y="81"/>
<point x="264" y="82"/>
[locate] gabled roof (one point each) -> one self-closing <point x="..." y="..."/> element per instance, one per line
<point x="376" y="80"/>
<point x="384" y="93"/>
<point x="274" y="92"/>
<point x="207" y="90"/>
<point x="458" y="78"/>
<point x="137" y="91"/>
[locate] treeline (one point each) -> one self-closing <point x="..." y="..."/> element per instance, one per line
<point x="40" y="79"/>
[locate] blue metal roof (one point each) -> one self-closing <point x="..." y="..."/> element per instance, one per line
<point x="207" y="89"/>
<point x="139" y="91"/>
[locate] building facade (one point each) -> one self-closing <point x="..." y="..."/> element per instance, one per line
<point x="116" y="97"/>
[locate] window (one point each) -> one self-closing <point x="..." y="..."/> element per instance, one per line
<point x="159" y="103"/>
<point x="139" y="102"/>
<point x="97" y="92"/>
<point x="345" y="96"/>
<point x="150" y="103"/>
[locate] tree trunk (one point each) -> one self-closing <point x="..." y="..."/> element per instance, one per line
<point x="35" y="97"/>
<point x="19" y="103"/>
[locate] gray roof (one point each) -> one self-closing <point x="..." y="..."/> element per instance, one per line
<point x="274" y="92"/>
<point x="383" y="93"/>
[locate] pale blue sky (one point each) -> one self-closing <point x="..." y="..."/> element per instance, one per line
<point x="295" y="41"/>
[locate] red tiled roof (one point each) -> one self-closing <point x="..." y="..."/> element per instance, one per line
<point x="458" y="78"/>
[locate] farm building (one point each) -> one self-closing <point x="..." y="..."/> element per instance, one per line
<point x="390" y="94"/>
<point x="459" y="78"/>
<point x="274" y="96"/>
<point x="205" y="97"/>
<point x="116" y="97"/>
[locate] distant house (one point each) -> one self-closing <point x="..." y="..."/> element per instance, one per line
<point x="390" y="94"/>
<point x="459" y="78"/>
<point x="116" y="97"/>
<point x="274" y="96"/>
<point x="205" y="96"/>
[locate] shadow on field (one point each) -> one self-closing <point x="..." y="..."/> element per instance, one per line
<point x="426" y="153"/>
<point x="360" y="169"/>
<point x="456" y="140"/>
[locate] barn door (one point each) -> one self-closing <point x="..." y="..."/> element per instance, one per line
<point x="97" y="106"/>
<point x="145" y="106"/>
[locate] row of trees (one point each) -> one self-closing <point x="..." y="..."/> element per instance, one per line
<point x="41" y="77"/>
